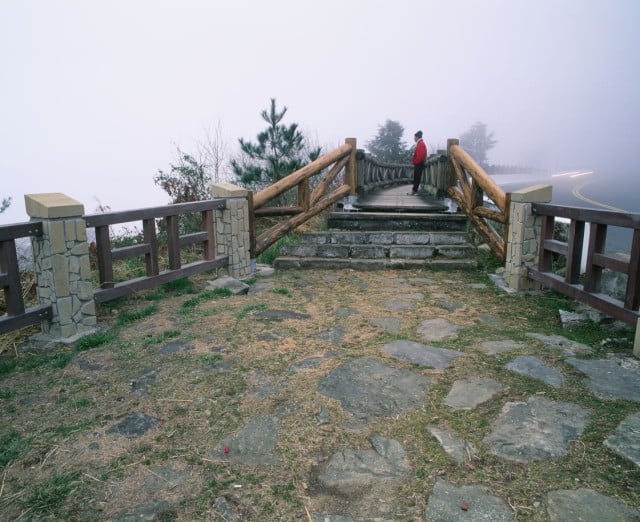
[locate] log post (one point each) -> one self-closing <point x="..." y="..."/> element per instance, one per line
<point x="351" y="176"/>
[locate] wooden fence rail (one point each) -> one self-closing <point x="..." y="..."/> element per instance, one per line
<point x="17" y="315"/>
<point x="310" y="203"/>
<point x="596" y="259"/>
<point x="110" y="289"/>
<point x="473" y="183"/>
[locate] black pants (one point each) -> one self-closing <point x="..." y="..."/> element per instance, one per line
<point x="417" y="176"/>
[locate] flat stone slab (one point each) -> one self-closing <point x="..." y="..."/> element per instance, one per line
<point x="449" y="503"/>
<point x="497" y="347"/>
<point x="561" y="344"/>
<point x="388" y="324"/>
<point x="259" y="287"/>
<point x="460" y="450"/>
<point x="438" y="330"/>
<point x="140" y="384"/>
<point x="535" y="368"/>
<point x="398" y="305"/>
<point x="254" y="444"/>
<point x="421" y="354"/>
<point x="538" y="429"/>
<point x="351" y="471"/>
<point x="134" y="425"/>
<point x="466" y="394"/>
<point x="587" y="505"/>
<point x="235" y="286"/>
<point x="625" y="441"/>
<point x="366" y="387"/>
<point x="450" y="306"/>
<point x="333" y="335"/>
<point x="178" y="346"/>
<point x="607" y="379"/>
<point x="492" y="320"/>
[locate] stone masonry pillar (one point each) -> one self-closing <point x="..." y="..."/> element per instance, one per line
<point x="523" y="238"/>
<point x="232" y="228"/>
<point x="61" y="265"/>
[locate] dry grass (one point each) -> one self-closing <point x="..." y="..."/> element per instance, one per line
<point x="60" y="462"/>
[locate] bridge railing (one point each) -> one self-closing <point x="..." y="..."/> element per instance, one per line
<point x="310" y="202"/>
<point x="373" y="174"/>
<point x="471" y="186"/>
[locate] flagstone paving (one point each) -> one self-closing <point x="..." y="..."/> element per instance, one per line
<point x="354" y="480"/>
<point x="359" y="482"/>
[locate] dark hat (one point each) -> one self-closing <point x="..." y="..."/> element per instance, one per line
<point x="418" y="134"/>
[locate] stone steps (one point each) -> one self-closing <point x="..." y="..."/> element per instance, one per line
<point x="407" y="241"/>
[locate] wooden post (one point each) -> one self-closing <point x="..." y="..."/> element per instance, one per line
<point x="351" y="177"/>
<point x="303" y="194"/>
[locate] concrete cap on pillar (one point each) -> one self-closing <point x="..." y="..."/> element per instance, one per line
<point x="52" y="205"/>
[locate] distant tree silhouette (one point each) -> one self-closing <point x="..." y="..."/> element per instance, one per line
<point x="477" y="142"/>
<point x="5" y="204"/>
<point x="387" y="145"/>
<point x="279" y="150"/>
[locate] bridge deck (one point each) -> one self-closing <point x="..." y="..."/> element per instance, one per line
<point x="399" y="199"/>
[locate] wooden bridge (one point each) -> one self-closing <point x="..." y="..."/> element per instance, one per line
<point x="348" y="178"/>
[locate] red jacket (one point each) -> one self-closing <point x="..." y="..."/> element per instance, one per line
<point x="420" y="153"/>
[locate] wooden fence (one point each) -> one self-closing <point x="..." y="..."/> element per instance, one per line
<point x="17" y="315"/>
<point x="106" y="255"/>
<point x="597" y="259"/>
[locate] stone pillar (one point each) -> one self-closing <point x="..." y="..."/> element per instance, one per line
<point x="232" y="228"/>
<point x="523" y="238"/>
<point x="61" y="265"/>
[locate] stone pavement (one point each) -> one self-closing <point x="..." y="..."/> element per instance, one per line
<point x="409" y="372"/>
<point x="350" y="482"/>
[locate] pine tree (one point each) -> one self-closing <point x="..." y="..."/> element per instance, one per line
<point x="387" y="146"/>
<point x="279" y="151"/>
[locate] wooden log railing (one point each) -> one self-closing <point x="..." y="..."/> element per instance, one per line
<point x="472" y="184"/>
<point x="373" y="174"/>
<point x="17" y="315"/>
<point x="310" y="202"/>
<point x="597" y="260"/>
<point x="110" y="289"/>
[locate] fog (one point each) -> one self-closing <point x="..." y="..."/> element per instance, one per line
<point x="95" y="95"/>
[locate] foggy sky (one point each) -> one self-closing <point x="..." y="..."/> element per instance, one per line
<point x="94" y="95"/>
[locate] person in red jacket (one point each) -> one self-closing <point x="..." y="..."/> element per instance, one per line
<point x="418" y="159"/>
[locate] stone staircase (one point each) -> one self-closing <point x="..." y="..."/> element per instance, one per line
<point x="379" y="240"/>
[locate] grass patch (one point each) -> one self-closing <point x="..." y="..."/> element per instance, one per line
<point x="95" y="339"/>
<point x="208" y="295"/>
<point x="246" y="310"/>
<point x="270" y="254"/>
<point x="12" y="446"/>
<point x="51" y="496"/>
<point x="131" y="316"/>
